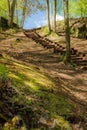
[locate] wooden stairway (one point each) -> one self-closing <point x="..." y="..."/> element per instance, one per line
<point x="78" y="58"/>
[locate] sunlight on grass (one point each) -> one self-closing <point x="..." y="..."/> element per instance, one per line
<point x="35" y="85"/>
<point x="28" y="77"/>
<point x="45" y="31"/>
<point x="14" y="76"/>
<point x="37" y="78"/>
<point x="21" y="65"/>
<point x="60" y="121"/>
<point x="54" y="34"/>
<point x="31" y="85"/>
<point x="34" y="77"/>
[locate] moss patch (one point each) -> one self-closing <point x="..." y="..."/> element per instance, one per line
<point x="38" y="92"/>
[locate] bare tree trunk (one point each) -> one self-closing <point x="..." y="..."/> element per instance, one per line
<point x="0" y="24"/>
<point x="51" y="16"/>
<point x="8" y="6"/>
<point x="82" y="13"/>
<point x="55" y="15"/>
<point x="17" y="21"/>
<point x="67" y="31"/>
<point x="48" y="14"/>
<point x="11" y="14"/>
<point x="23" y="13"/>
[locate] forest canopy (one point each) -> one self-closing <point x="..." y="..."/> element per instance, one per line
<point x="24" y="8"/>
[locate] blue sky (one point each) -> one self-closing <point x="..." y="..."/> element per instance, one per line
<point x="37" y="20"/>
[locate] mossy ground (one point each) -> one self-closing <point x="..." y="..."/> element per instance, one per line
<point x="38" y="91"/>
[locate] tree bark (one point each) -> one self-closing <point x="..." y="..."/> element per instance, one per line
<point x="11" y="14"/>
<point x="8" y="6"/>
<point x="67" y="31"/>
<point x="17" y="21"/>
<point x="51" y="15"/>
<point x="48" y="14"/>
<point x="0" y="24"/>
<point x="23" y="13"/>
<point x="82" y="13"/>
<point x="55" y="15"/>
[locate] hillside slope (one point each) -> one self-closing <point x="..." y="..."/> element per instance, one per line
<point x="78" y="27"/>
<point x="38" y="90"/>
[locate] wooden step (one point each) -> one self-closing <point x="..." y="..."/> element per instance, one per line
<point x="41" y="41"/>
<point x="82" y="62"/>
<point x="44" y="43"/>
<point x="50" y="46"/>
<point x="63" y="52"/>
<point x="48" y="40"/>
<point x="74" y="51"/>
<point x="76" y="58"/>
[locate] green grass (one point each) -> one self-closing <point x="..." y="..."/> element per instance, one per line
<point x="45" y="31"/>
<point x="54" y="34"/>
<point x="3" y="71"/>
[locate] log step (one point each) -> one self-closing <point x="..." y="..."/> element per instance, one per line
<point x="76" y="58"/>
<point x="81" y="62"/>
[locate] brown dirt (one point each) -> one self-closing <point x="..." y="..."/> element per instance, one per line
<point x="73" y="82"/>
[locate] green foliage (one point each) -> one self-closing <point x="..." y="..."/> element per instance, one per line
<point x="3" y="8"/>
<point x="78" y="8"/>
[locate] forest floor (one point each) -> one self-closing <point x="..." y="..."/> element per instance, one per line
<point x="54" y="91"/>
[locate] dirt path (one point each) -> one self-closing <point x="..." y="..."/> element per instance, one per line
<point x="26" y="50"/>
<point x="73" y="82"/>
